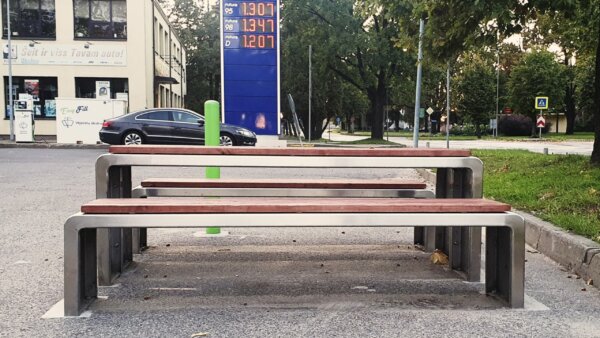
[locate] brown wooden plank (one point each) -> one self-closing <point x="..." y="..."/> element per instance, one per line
<point x="289" y="205"/>
<point x="282" y="183"/>
<point x="254" y="151"/>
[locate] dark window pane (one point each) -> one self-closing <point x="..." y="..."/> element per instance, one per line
<point x="102" y="19"/>
<point x="31" y="18"/>
<point x="43" y="89"/>
<point x="157" y="115"/>
<point x="180" y="116"/>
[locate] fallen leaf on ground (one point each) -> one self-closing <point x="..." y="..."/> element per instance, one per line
<point x="439" y="258"/>
<point x="589" y="282"/>
<point x="532" y="251"/>
<point x="200" y="334"/>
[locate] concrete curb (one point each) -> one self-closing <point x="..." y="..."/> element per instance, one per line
<point x="576" y="253"/>
<point x="53" y="145"/>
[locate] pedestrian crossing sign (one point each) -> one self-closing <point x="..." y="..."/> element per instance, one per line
<point x="541" y="102"/>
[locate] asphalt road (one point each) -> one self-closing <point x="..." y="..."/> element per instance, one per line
<point x="256" y="282"/>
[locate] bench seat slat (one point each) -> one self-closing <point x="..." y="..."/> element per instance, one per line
<point x="170" y="205"/>
<point x="282" y="183"/>
<point x="252" y="151"/>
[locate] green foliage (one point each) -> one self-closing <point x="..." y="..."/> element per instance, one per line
<point x="332" y="96"/>
<point x="584" y="83"/>
<point x="354" y="42"/>
<point x="538" y="74"/>
<point x="476" y="90"/>
<point x="564" y="190"/>
<point x="198" y="30"/>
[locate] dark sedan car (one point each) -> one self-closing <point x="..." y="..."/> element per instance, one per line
<point x="168" y="126"/>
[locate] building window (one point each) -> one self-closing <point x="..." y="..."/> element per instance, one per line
<point x="96" y="87"/>
<point x="42" y="90"/>
<point x="30" y="19"/>
<point x="100" y="19"/>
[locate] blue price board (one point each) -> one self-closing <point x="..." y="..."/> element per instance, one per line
<point x="250" y="64"/>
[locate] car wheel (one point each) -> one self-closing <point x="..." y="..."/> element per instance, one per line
<point x="132" y="138"/>
<point x="227" y="140"/>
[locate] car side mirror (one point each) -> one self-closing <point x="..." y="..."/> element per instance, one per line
<point x="200" y="122"/>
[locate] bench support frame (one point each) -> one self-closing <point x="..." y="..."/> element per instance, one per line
<point x="114" y="171"/>
<point x="505" y="263"/>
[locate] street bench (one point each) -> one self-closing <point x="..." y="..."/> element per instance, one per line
<point x="505" y="242"/>
<point x="459" y="175"/>
<point x="264" y="187"/>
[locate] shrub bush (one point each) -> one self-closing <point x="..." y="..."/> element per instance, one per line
<point x="468" y="129"/>
<point x="515" y="125"/>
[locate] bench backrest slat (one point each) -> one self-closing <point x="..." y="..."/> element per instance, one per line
<point x="290" y="205"/>
<point x="253" y="151"/>
<point x="282" y="183"/>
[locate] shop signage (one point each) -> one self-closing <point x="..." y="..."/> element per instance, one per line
<point x="71" y="55"/>
<point x="80" y="120"/>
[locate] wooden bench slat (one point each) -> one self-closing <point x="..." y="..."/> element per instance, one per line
<point x="282" y="183"/>
<point x="253" y="151"/>
<point x="290" y="205"/>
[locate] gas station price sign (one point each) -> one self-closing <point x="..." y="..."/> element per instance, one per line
<point x="250" y="64"/>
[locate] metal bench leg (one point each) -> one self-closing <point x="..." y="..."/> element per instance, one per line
<point x="505" y="264"/>
<point x="114" y="252"/>
<point x="419" y="236"/>
<point x="463" y="245"/>
<point x="80" y="269"/>
<point x="139" y="236"/>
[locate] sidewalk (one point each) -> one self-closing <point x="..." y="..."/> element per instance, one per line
<point x="566" y="147"/>
<point x="47" y="142"/>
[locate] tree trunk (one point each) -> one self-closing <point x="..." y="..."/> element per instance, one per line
<point x="478" y="130"/>
<point x="595" y="159"/>
<point x="377" y="98"/>
<point x="569" y="102"/>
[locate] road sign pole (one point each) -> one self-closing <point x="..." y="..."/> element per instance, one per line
<point x="448" y="106"/>
<point x="418" y="91"/>
<point x="540" y="126"/>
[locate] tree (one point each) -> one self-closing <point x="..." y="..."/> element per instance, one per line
<point x="331" y="95"/>
<point x="563" y="30"/>
<point x="356" y="41"/>
<point x="538" y="74"/>
<point x="476" y="90"/>
<point x="456" y="24"/>
<point x="584" y="84"/>
<point x="198" y="29"/>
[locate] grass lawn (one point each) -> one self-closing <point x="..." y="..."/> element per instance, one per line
<point x="563" y="190"/>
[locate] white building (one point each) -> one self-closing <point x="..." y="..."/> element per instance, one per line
<point x="74" y="48"/>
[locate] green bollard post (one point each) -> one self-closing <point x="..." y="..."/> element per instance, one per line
<point x="212" y="137"/>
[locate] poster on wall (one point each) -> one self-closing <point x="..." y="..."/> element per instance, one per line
<point x="50" y="108"/>
<point x="32" y="87"/>
<point x="103" y="90"/>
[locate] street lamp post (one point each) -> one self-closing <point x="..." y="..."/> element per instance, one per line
<point x="10" y="79"/>
<point x="418" y="91"/>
